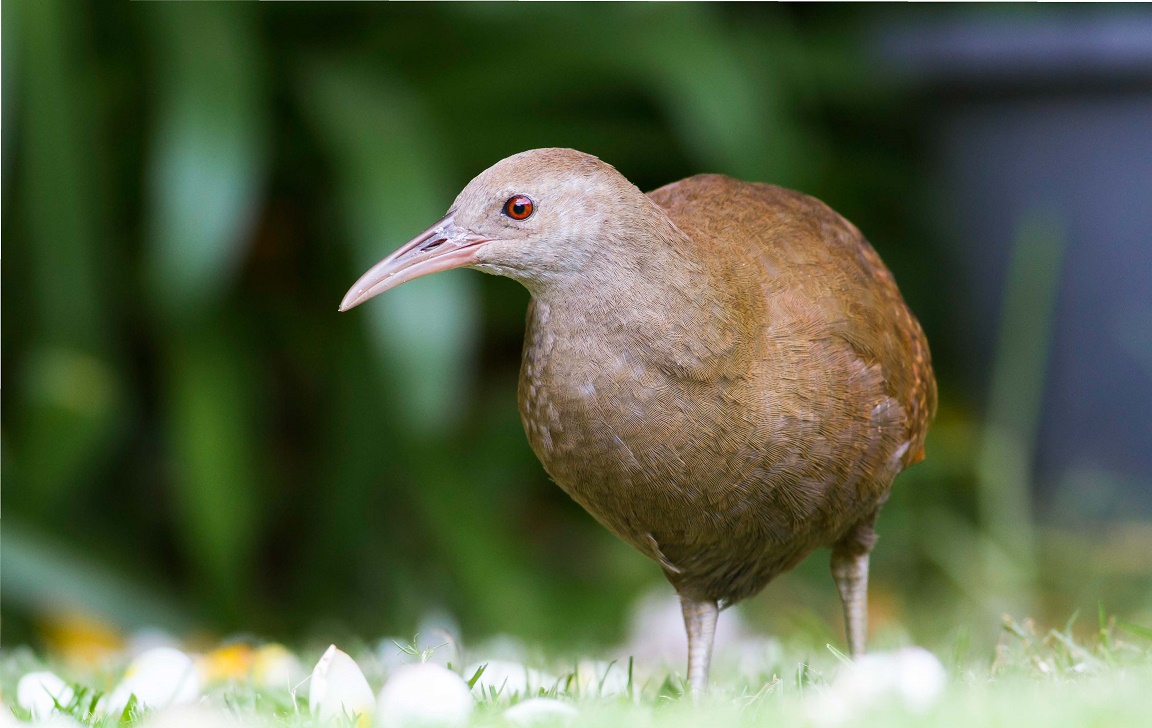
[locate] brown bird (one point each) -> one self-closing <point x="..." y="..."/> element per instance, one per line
<point x="723" y="373"/>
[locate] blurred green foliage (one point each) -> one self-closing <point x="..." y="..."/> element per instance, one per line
<point x="193" y="436"/>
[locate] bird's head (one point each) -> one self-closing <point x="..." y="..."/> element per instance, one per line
<point x="538" y="217"/>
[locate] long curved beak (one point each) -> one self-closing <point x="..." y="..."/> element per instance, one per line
<point x="441" y="247"/>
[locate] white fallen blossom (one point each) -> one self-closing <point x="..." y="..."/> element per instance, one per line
<point x="911" y="676"/>
<point x="913" y="673"/>
<point x="338" y="688"/>
<point x="424" y="695"/>
<point x="508" y="678"/>
<point x="38" y="693"/>
<point x="540" y="711"/>
<point x="158" y="677"/>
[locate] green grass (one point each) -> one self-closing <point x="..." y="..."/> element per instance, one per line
<point x="1075" y="675"/>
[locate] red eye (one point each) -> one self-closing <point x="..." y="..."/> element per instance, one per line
<point x="518" y="207"/>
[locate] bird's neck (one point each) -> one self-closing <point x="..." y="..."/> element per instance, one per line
<point x="658" y="296"/>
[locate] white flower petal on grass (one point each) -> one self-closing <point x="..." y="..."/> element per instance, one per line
<point x="424" y="695"/>
<point x="509" y="678"/>
<point x="38" y="693"/>
<point x="339" y="688"/>
<point x="921" y="678"/>
<point x="159" y="677"/>
<point x="540" y="711"/>
<point x="913" y="676"/>
<point x="912" y="673"/>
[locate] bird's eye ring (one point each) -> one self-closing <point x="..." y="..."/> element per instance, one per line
<point x="518" y="207"/>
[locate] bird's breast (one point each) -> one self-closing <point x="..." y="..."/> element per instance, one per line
<point x="640" y="446"/>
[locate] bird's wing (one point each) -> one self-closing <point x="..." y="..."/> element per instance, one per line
<point x="819" y="274"/>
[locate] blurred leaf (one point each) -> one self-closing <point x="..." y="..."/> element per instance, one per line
<point x="10" y="56"/>
<point x="73" y="398"/>
<point x="472" y="538"/>
<point x="59" y="186"/>
<point x="1004" y="462"/>
<point x="209" y="152"/>
<point x="979" y="566"/>
<point x="213" y="430"/>
<point x="730" y="104"/>
<point x="207" y="167"/>
<point x="391" y="178"/>
<point x="62" y="429"/>
<point x="726" y="91"/>
<point x="44" y="576"/>
<point x="356" y="455"/>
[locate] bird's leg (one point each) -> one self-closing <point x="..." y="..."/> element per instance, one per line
<point x="850" y="570"/>
<point x="700" y="621"/>
<point x="851" y="575"/>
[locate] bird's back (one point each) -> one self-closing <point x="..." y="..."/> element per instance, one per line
<point x="844" y="389"/>
<point x="822" y="277"/>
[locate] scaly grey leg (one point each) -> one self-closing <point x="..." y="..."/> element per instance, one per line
<point x="851" y="574"/>
<point x="700" y="621"/>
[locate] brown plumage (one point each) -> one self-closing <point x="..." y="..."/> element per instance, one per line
<point x="722" y="373"/>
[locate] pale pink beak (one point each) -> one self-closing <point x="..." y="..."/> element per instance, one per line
<point x="441" y="247"/>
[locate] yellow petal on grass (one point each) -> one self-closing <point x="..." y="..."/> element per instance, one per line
<point x="38" y="693"/>
<point x="231" y="662"/>
<point x="80" y="638"/>
<point x="338" y="689"/>
<point x="158" y="678"/>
